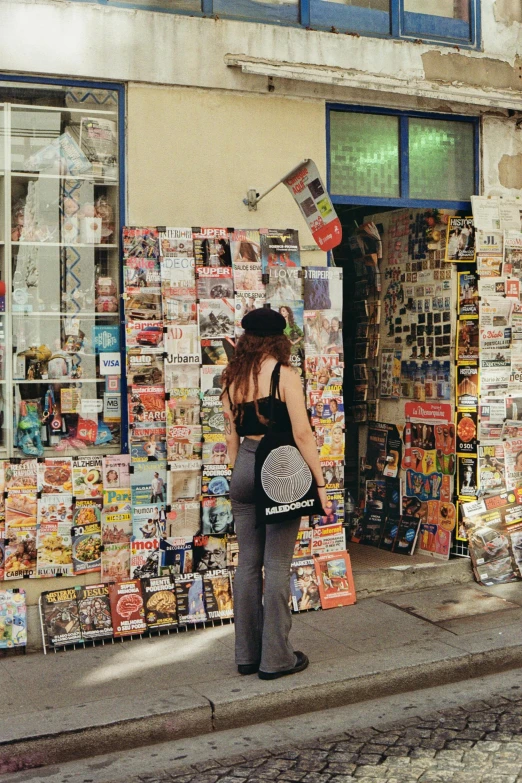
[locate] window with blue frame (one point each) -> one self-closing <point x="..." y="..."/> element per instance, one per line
<point x="446" y="21"/>
<point x="398" y="159"/>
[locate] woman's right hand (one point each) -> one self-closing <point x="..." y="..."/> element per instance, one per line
<point x="323" y="497"/>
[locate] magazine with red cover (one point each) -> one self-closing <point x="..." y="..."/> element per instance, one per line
<point x="128" y="613"/>
<point x="334" y="573"/>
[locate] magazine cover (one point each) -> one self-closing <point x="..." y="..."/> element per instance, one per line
<point x="323" y="332"/>
<point x="178" y="277"/>
<point x="467" y="474"/>
<point x="215" y="449"/>
<point x="189" y="594"/>
<point x="145" y="557"/>
<point x="87" y="477"/>
<point x="467" y="340"/>
<point x="248" y="278"/>
<point x="149" y="521"/>
<point x="115" y="562"/>
<point x="181" y="376"/>
<point x="323" y="288"/>
<point x="244" y="303"/>
<point x="279" y="248"/>
<point x="86" y="536"/>
<point x="55" y="475"/>
<point x="184" y="481"/>
<point x="294" y="330"/>
<point x="216" y="516"/>
<point x="232" y="551"/>
<point x="95" y="612"/>
<point x="22" y="475"/>
<point x="184" y="443"/>
<point x="184" y="520"/>
<point x="334" y="574"/>
<point x="328" y="538"/>
<point x="144" y="369"/>
<point x="53" y="540"/>
<point x="467" y="428"/>
<point x="213" y="419"/>
<point x="513" y="457"/>
<point x="245" y="247"/>
<point x="146" y="404"/>
<point x="513" y="254"/>
<point x="210" y="552"/>
<point x="143" y="306"/>
<point x="159" y="595"/>
<point x="144" y="334"/>
<point x="13" y="619"/>
<point x="176" y="556"/>
<point x="214" y="282"/>
<point x="183" y="410"/>
<point x="99" y="142"/>
<point x="217" y="352"/>
<point x="61" y="616"/>
<point x="460" y="240"/>
<point x="334" y="509"/>
<point x="284" y="285"/>
<point x="20" y="550"/>
<point x="324" y="373"/>
<point x="140" y="274"/>
<point x="218" y="594"/>
<point x="211" y="383"/>
<point x="176" y="242"/>
<point x="330" y="441"/>
<point x="178" y="310"/>
<point x="492" y="468"/>
<point x="116" y="471"/>
<point x="215" y="480"/>
<point x="303" y="543"/>
<point x="116" y="519"/>
<point x="182" y="345"/>
<point x="212" y="247"/>
<point x="127" y="610"/>
<point x="326" y="408"/>
<point x="467" y="385"/>
<point x="148" y="442"/>
<point x="148" y="480"/>
<point x="468" y="299"/>
<point x="304" y="585"/>
<point x="141" y="242"/>
<point x="216" y="318"/>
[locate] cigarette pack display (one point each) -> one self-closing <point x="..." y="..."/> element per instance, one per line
<point x="127" y="610"/>
<point x="94" y="611"/>
<point x="218" y="594"/>
<point x="159" y="596"/>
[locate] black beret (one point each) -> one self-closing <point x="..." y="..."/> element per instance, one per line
<point x="264" y="322"/>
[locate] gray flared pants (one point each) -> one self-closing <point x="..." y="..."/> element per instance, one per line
<point x="262" y="623"/>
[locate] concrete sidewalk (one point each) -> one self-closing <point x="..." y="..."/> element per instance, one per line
<point x="87" y="702"/>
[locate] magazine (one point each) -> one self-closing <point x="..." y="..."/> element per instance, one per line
<point x="210" y="552"/>
<point x="20" y="549"/>
<point x="176" y="242"/>
<point x="144" y="369"/>
<point x="216" y="516"/>
<point x="13" y="618"/>
<point x="216" y="318"/>
<point x="217" y="352"/>
<point x="142" y="242"/>
<point x="184" y="443"/>
<point x="176" y="557"/>
<point x="460" y="240"/>
<point x="244" y="303"/>
<point x="145" y="305"/>
<point x="303" y="543"/>
<point x="140" y="274"/>
<point x="304" y="585"/>
<point x="214" y="449"/>
<point x="116" y="472"/>
<point x="248" y="278"/>
<point x="148" y="442"/>
<point x="215" y="480"/>
<point x="279" y="248"/>
<point x="184" y="481"/>
<point x="148" y="480"/>
<point x="183" y="520"/>
<point x="183" y="410"/>
<point x="54" y="543"/>
<point x="513" y="254"/>
<point x="147" y="334"/>
<point x="334" y="508"/>
<point x="61" y="616"/>
<point x="149" y="521"/>
<point x="232" y="551"/>
<point x="95" y="612"/>
<point x="245" y="247"/>
<point x="211" y="383"/>
<point x="179" y="310"/>
<point x="330" y="441"/>
<point x="212" y="247"/>
<point x="467" y="340"/>
<point x="467" y="385"/>
<point x="294" y="330"/>
<point x="86" y="536"/>
<point x="55" y="475"/>
<point x="178" y="376"/>
<point x="513" y="461"/>
<point x="214" y="282"/>
<point x="323" y="332"/>
<point x="189" y="594"/>
<point x="492" y="468"/>
<point x="213" y="419"/>
<point x="218" y="594"/>
<point x="182" y="345"/>
<point x="145" y="557"/>
<point x="127" y="610"/>
<point x="323" y="288"/>
<point x="466" y="430"/>
<point x="328" y="538"/>
<point x="87" y="477"/>
<point x="178" y="277"/>
<point x="146" y="404"/>
<point x="22" y="475"/>
<point x="115" y="562"/>
<point x="334" y="574"/>
<point x="283" y="285"/>
<point x="159" y="596"/>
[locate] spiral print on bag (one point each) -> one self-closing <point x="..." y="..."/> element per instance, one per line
<point x="285" y="476"/>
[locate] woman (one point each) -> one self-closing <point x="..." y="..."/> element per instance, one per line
<point x="262" y="627"/>
<point x="292" y="330"/>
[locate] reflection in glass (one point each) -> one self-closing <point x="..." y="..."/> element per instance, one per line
<point x="375" y="5"/>
<point x="441" y="159"/>
<point x="271" y="10"/>
<point x="449" y="9"/>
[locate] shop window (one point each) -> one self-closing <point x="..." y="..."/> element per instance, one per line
<point x="59" y="269"/>
<point x="400" y="159"/>
<point x="368" y="16"/>
<point x="445" y="18"/>
<point x="262" y="10"/>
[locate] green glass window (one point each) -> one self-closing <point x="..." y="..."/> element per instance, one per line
<point x="364" y="154"/>
<point x="441" y="155"/>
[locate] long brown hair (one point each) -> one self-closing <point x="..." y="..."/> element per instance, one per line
<point x="245" y="365"/>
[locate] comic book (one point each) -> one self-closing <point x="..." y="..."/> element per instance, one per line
<point x="176" y="556"/>
<point x="184" y="443"/>
<point x="218" y="594"/>
<point x="304" y="585"/>
<point x="216" y="318"/>
<point x="210" y="552"/>
<point x="279" y="248"/>
<point x="323" y="288"/>
<point x="143" y="306"/>
<point x="13" y="619"/>
<point x="55" y="475"/>
<point x="144" y="335"/>
<point x="127" y="609"/>
<point x="148" y="442"/>
<point x="217" y="352"/>
<point x="183" y="520"/>
<point x="244" y="303"/>
<point x="86" y="535"/>
<point x="216" y="516"/>
<point x="189" y="594"/>
<point x="95" y="612"/>
<point x="53" y="539"/>
<point x="184" y="481"/>
<point x="87" y="477"/>
<point x="141" y="274"/>
<point x="214" y="282"/>
<point x="323" y="332"/>
<point x="334" y="575"/>
<point x="140" y="242"/>
<point x="183" y="410"/>
<point x="148" y="481"/>
<point x="22" y="475"/>
<point x="212" y="247"/>
<point x="182" y="345"/>
<point x="176" y="242"/>
<point x="115" y="562"/>
<point x="144" y="369"/>
<point x="61" y="617"/>
<point x="145" y="557"/>
<point x="159" y="596"/>
<point x="284" y="285"/>
<point x="215" y="480"/>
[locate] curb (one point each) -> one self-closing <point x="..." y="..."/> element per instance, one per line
<point x="39" y="750"/>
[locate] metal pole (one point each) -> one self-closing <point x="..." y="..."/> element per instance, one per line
<point x="253" y="197"/>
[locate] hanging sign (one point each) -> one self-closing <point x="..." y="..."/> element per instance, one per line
<point x="313" y="200"/>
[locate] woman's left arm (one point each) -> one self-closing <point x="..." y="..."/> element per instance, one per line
<point x="230" y="431"/>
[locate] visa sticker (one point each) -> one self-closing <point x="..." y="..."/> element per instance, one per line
<point x="110" y="363"/>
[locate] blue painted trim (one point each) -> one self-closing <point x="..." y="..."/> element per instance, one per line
<point x="250" y="10"/>
<point x="400" y="203"/>
<point x="206" y="7"/>
<point x="351" y="18"/>
<point x="395" y="14"/>
<point x="305" y="13"/>
<point x="404" y="156"/>
<point x="429" y="25"/>
<point x="398" y="112"/>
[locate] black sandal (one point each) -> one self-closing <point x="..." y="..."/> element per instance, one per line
<point x="248" y="668"/>
<point x="300" y="665"/>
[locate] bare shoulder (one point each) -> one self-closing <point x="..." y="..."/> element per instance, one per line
<point x="290" y="382"/>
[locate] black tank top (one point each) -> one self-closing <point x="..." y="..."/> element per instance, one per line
<point x="246" y="420"/>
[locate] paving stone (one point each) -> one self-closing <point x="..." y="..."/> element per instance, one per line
<point x="292" y="775"/>
<point x="335" y="768"/>
<point x="398" y="750"/>
<point x="368" y="758"/>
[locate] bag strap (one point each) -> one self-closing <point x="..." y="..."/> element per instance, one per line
<point x="274" y="389"/>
